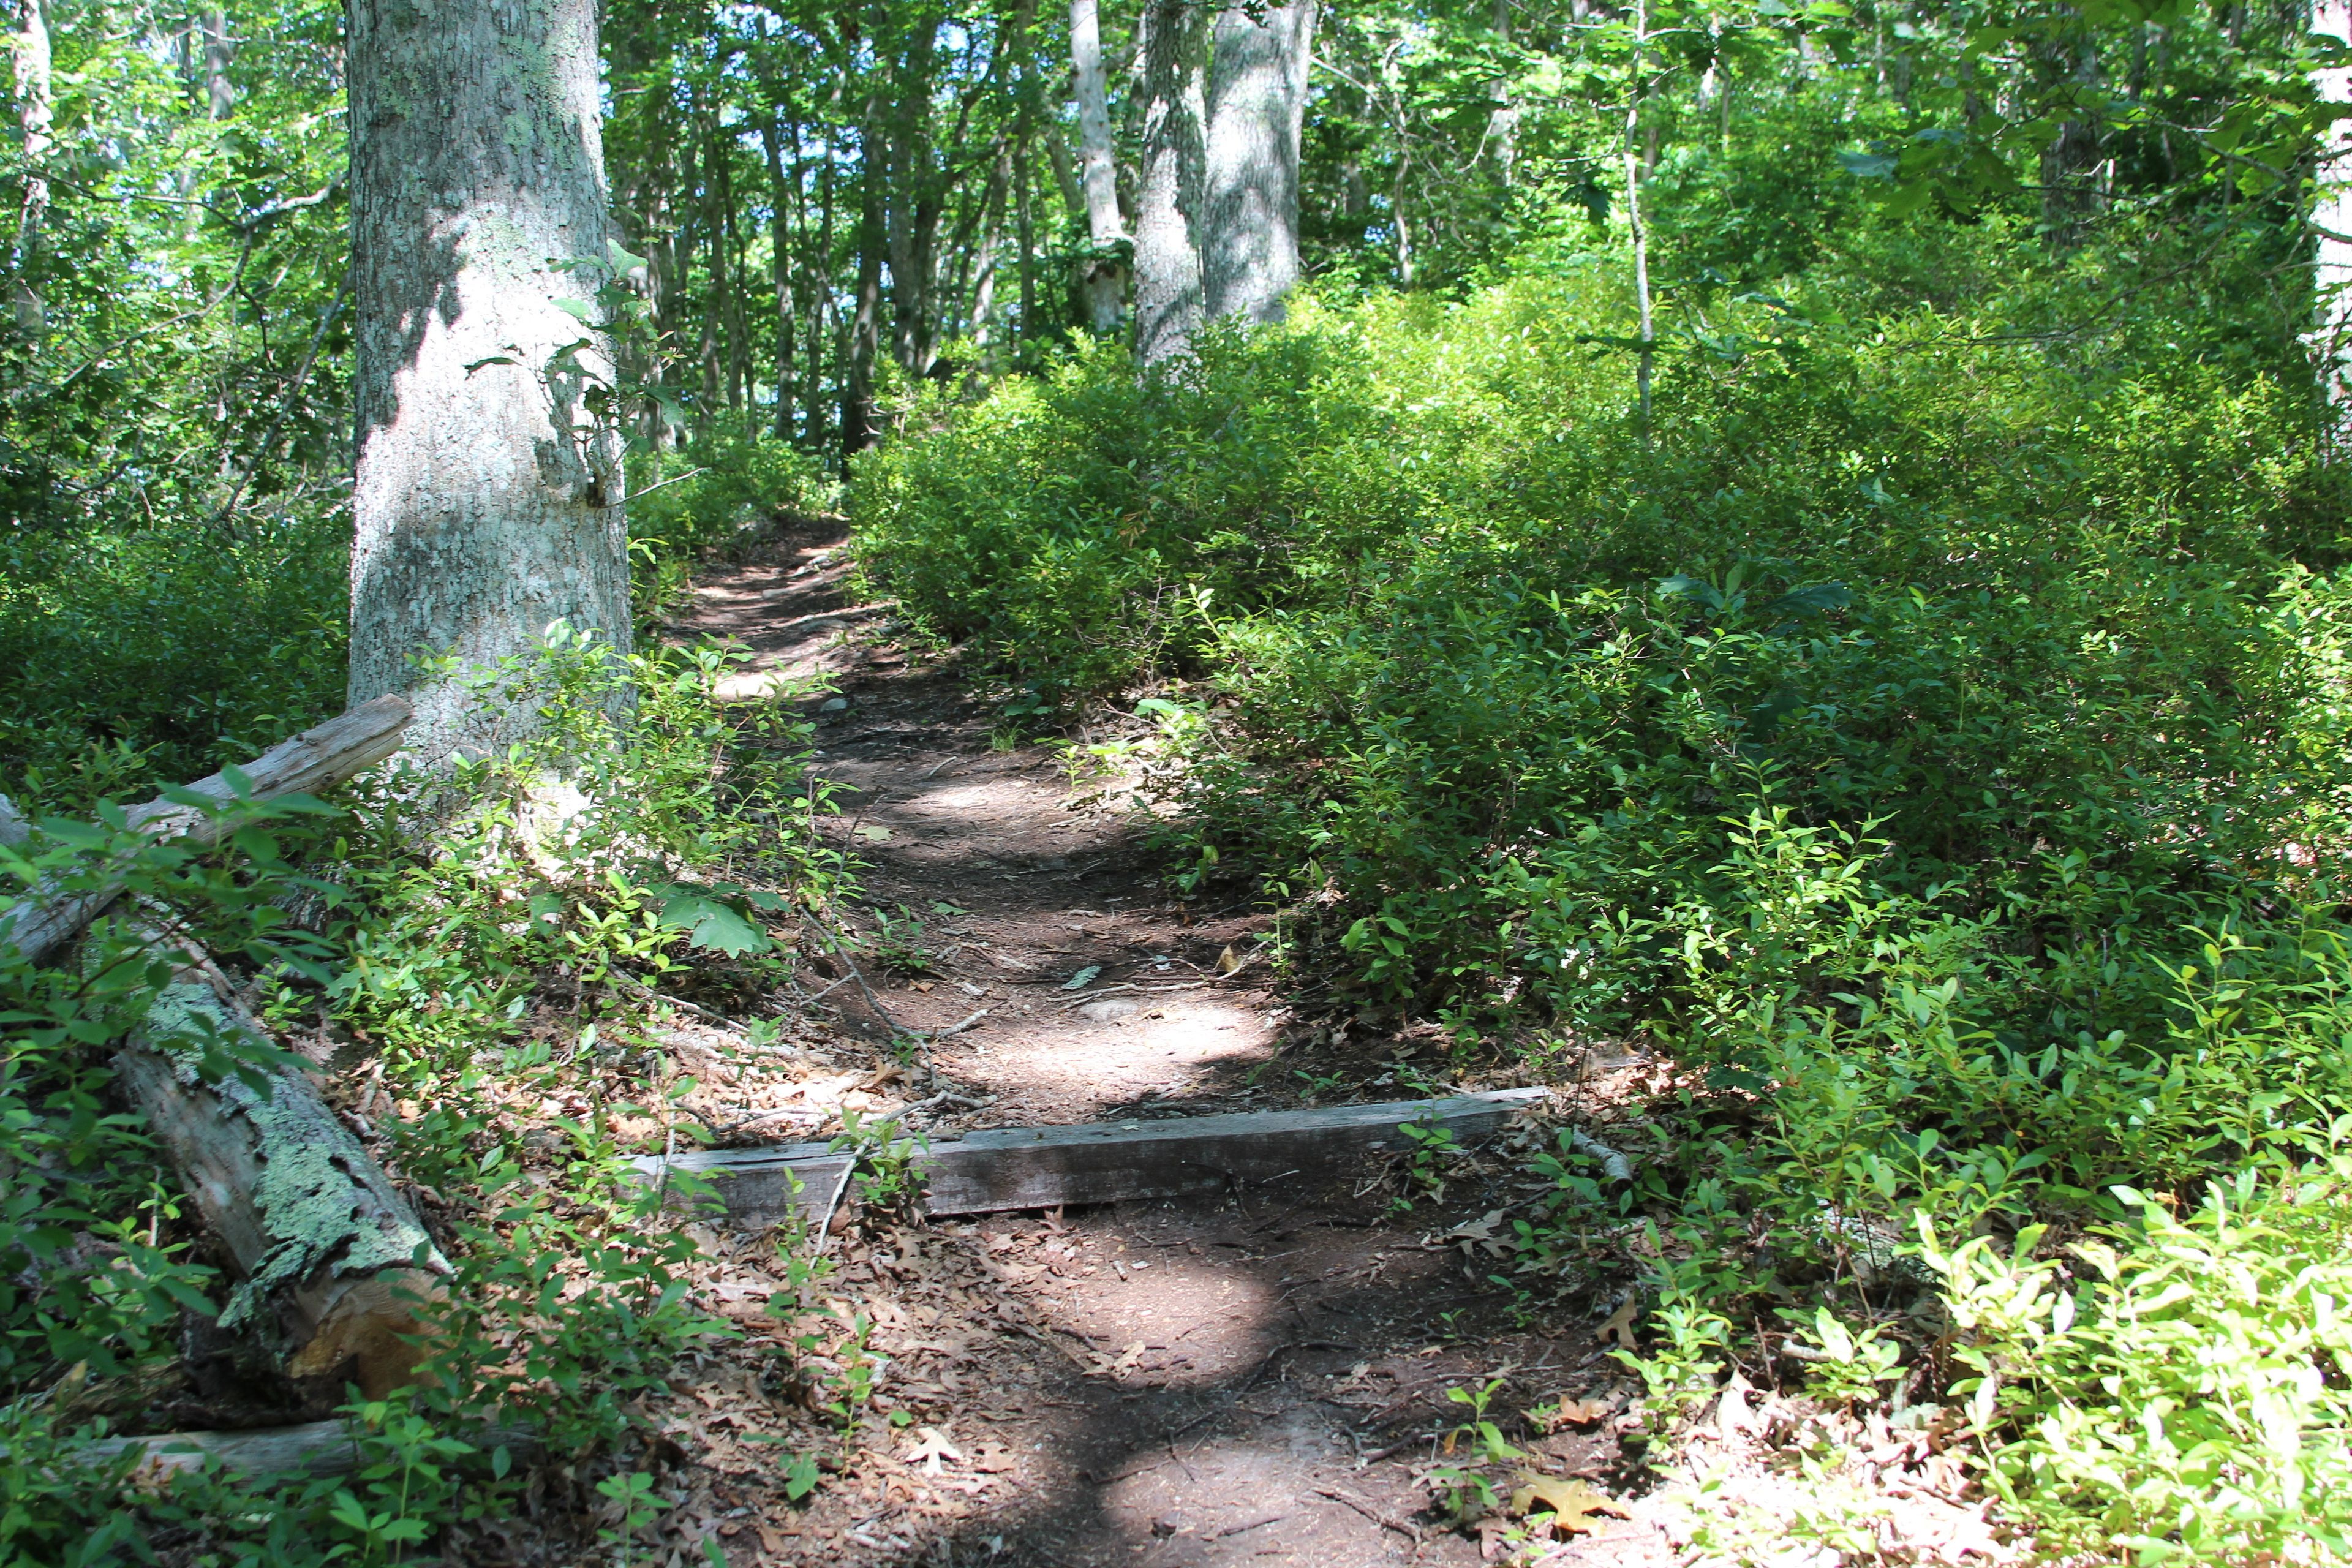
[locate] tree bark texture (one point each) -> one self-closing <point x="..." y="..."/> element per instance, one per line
<point x="35" y="112"/>
<point x="1257" y="103"/>
<point x="1103" y="282"/>
<point x="1168" y="297"/>
<point x="2331" y="335"/>
<point x="488" y="494"/>
<point x="334" y="1261"/>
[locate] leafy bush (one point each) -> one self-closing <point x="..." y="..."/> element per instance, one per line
<point x="144" y="659"/>
<point x="2188" y="1393"/>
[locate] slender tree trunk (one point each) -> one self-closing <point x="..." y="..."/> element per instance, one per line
<point x="780" y="240"/>
<point x="1640" y="236"/>
<point x="1502" y="121"/>
<point x="1026" y="234"/>
<point x="1166" y="247"/>
<point x="488" y="501"/>
<point x="865" y="327"/>
<point x="36" y="109"/>
<point x="1104" y="281"/>
<point x="827" y="313"/>
<point x="1257" y="103"/>
<point x="2331" y="334"/>
<point x="983" y="304"/>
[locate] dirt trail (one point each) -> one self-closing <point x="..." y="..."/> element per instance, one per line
<point x="1254" y="1381"/>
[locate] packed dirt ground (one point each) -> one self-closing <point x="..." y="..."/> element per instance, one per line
<point x="1257" y="1380"/>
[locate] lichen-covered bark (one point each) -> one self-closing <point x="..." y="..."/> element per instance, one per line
<point x="326" y="1246"/>
<point x="488" y="501"/>
<point x="1104" y="281"/>
<point x="1167" y="198"/>
<point x="1256" y="106"/>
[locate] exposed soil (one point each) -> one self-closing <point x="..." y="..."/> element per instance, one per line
<point x="1258" y="1379"/>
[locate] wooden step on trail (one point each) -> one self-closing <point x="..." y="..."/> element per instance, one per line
<point x="1096" y="1162"/>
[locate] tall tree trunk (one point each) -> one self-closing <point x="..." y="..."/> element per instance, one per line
<point x="2331" y="335"/>
<point x="1104" y="281"/>
<point x="1257" y="103"/>
<point x="1640" y="234"/>
<point x="865" y="327"/>
<point x="1026" y="234"/>
<point x="36" y="109"/>
<point x="1166" y="247"/>
<point x="983" y="304"/>
<point x="219" y="97"/>
<point x="488" y="501"/>
<point x="1502" y="121"/>
<point x="826" y="313"/>
<point x="780" y="241"/>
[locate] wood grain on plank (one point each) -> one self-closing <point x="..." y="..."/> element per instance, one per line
<point x="1093" y="1162"/>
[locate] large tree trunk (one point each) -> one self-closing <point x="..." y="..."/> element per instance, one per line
<point x="2331" y="337"/>
<point x="1103" y="282"/>
<point x="1167" y="249"/>
<point x="1257" y="103"/>
<point x="489" y="496"/>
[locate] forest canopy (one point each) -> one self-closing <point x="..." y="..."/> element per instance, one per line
<point x="1802" y="542"/>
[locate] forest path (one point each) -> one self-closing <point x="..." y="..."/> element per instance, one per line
<point x="1253" y="1381"/>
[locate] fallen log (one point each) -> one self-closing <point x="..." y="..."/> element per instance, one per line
<point x="335" y="1262"/>
<point x="41" y="923"/>
<point x="1094" y="1162"/>
<point x="312" y="1448"/>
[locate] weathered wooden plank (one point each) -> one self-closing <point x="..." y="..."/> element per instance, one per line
<point x="1039" y="1167"/>
<point x="48" y="917"/>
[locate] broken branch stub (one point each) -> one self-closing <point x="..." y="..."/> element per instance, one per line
<point x="39" y="925"/>
<point x="335" y="1262"/>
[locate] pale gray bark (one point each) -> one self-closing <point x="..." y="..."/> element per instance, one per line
<point x="1168" y="297"/>
<point x="488" y="502"/>
<point x="2331" y="336"/>
<point x="1257" y="103"/>
<point x="1640" y="234"/>
<point x="1104" y="283"/>
<point x="36" y="109"/>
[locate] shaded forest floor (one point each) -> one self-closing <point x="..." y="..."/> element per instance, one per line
<point x="1258" y="1379"/>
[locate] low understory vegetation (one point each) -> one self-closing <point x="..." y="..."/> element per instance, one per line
<point x="498" y="948"/>
<point x="1926" y="737"/>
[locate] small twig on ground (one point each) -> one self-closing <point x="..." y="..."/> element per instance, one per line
<point x="833" y="1204"/>
<point x="1112" y="989"/>
<point x="630" y="983"/>
<point x="1384" y="1521"/>
<point x="958" y="1028"/>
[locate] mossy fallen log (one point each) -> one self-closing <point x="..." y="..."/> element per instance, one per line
<point x="335" y="1262"/>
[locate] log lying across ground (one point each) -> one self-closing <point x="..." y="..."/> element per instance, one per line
<point x="313" y="1449"/>
<point x="334" y="1260"/>
<point x="1040" y="1167"/>
<point x="44" y="920"/>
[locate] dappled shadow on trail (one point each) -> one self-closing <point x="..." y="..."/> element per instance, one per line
<point x="1254" y="1380"/>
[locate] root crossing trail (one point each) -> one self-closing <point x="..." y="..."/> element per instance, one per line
<point x="1257" y="1380"/>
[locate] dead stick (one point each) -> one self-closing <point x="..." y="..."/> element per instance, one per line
<point x="50" y="916"/>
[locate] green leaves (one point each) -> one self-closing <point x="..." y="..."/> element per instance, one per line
<point x="717" y="918"/>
